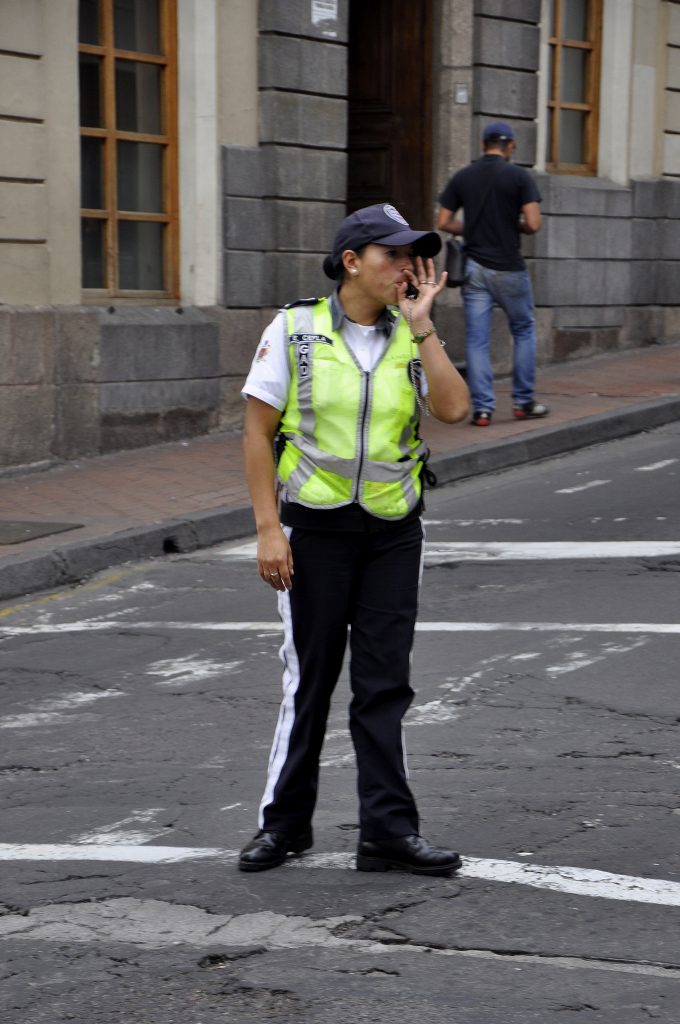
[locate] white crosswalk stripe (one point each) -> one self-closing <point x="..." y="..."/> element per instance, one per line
<point x="578" y="881"/>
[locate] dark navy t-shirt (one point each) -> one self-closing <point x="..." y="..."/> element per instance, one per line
<point x="496" y="238"/>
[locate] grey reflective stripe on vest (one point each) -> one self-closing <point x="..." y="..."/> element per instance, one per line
<point x="312" y="457"/>
<point x="303" y="323"/>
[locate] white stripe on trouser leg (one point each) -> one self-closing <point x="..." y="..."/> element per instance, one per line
<point x="410" y="656"/>
<point x="291" y="681"/>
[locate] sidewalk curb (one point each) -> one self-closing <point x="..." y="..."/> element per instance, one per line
<point x="515" y="451"/>
<point x="73" y="563"/>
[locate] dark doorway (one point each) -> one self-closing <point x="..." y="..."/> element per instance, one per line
<point x="390" y="103"/>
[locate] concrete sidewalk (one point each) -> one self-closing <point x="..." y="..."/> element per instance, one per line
<point x="191" y="494"/>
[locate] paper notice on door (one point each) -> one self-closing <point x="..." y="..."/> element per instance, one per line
<point x="325" y="17"/>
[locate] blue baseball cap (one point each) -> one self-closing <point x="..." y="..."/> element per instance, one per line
<point x="498" y="130"/>
<point x="381" y="224"/>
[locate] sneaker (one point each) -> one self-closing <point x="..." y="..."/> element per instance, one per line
<point x="481" y="418"/>
<point x="529" y="411"/>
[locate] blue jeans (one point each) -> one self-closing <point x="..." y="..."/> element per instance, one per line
<point x="511" y="290"/>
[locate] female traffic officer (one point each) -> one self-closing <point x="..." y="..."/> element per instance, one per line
<point x="339" y="382"/>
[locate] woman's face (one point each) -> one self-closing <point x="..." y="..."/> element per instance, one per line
<point x="380" y="269"/>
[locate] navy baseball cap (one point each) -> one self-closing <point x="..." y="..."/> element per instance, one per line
<point x="498" y="130"/>
<point x="381" y="224"/>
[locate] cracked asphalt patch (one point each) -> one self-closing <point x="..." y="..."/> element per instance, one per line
<point x="119" y="946"/>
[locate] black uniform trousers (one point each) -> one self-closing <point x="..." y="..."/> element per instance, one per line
<point x="370" y="582"/>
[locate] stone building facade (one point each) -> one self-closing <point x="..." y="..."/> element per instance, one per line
<point x="276" y="118"/>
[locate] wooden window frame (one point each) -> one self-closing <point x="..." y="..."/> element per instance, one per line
<point x="591" y="106"/>
<point x="110" y="214"/>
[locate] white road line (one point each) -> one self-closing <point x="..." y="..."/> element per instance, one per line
<point x="578" y="881"/>
<point x="126" y="831"/>
<point x="655" y="465"/>
<point x="437" y="552"/>
<point x="661" y="628"/>
<point x="441" y="553"/>
<point x="583" y="487"/>
<point x="190" y="669"/>
<point x="55" y="710"/>
<point x="549" y="627"/>
<point x="473" y="522"/>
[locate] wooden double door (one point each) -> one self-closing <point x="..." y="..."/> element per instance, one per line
<point x="390" y="107"/>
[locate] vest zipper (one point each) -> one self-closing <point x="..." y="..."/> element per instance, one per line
<point x="362" y="440"/>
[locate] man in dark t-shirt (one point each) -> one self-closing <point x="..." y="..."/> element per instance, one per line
<point x="498" y="202"/>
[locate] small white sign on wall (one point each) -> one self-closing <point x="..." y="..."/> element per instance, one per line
<point x="325" y="16"/>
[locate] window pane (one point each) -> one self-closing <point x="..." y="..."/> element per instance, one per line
<point x="91" y="177"/>
<point x="88" y="22"/>
<point x="138" y="97"/>
<point x="136" y="25"/>
<point x="90" y="91"/>
<point x="574" y="19"/>
<point x="92" y="242"/>
<point x="140" y="177"/>
<point x="572" y="123"/>
<point x="551" y="73"/>
<point x="573" y="75"/>
<point x="140" y="248"/>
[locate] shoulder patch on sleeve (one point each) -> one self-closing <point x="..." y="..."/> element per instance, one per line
<point x="301" y="302"/>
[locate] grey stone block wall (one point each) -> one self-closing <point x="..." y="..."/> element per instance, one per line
<point x="248" y="280"/>
<point x="506" y="54"/>
<point x="300" y="120"/>
<point x="294" y="17"/>
<point x="80" y="381"/>
<point x="312" y="174"/>
<point x="302" y="65"/>
<point x="518" y="10"/>
<point x="245" y="173"/>
<point x="606" y="262"/>
<point x="298" y="227"/>
<point x="248" y="224"/>
<point x="156" y="345"/>
<point x="284" y="198"/>
<point x="512" y="44"/>
<point x="503" y="93"/>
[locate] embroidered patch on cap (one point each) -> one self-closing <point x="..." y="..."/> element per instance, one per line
<point x="392" y="212"/>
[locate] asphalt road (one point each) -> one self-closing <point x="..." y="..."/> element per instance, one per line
<point x="136" y="713"/>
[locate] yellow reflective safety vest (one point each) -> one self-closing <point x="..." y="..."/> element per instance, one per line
<point x="349" y="435"/>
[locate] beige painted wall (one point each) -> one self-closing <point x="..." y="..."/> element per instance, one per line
<point x="646" y="97"/>
<point x="217" y="106"/>
<point x="39" y="227"/>
<point x="199" y="202"/>
<point x="39" y="142"/>
<point x="62" y="111"/>
<point x="237" y="73"/>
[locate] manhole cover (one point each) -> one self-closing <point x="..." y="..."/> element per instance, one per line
<point x="13" y="531"/>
